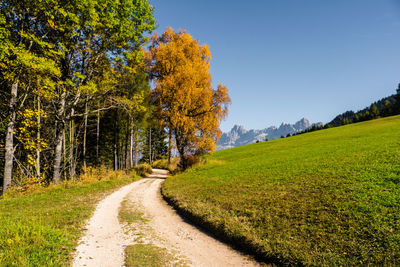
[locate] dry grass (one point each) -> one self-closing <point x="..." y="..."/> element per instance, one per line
<point x="143" y="169"/>
<point x="33" y="185"/>
<point x="172" y="167"/>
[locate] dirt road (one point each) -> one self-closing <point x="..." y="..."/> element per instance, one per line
<point x="104" y="241"/>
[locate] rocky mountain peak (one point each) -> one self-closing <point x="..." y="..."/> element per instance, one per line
<point x="239" y="136"/>
<point x="303" y="123"/>
<point x="238" y="129"/>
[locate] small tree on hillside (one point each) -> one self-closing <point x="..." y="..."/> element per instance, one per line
<point x="397" y="104"/>
<point x="374" y="112"/>
<point x="387" y="108"/>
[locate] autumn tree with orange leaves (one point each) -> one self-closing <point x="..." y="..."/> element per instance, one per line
<point x="185" y="102"/>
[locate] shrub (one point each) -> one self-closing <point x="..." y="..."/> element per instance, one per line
<point x="192" y="160"/>
<point x="172" y="167"/>
<point x="25" y="186"/>
<point x="143" y="169"/>
<point x="160" y="164"/>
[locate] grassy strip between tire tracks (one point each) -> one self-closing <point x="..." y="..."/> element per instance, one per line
<point x="142" y="254"/>
<point x="330" y="197"/>
<point x="42" y="229"/>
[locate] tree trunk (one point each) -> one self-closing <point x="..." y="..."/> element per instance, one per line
<point x="97" y="137"/>
<point x="180" y="145"/>
<point x="131" y="143"/>
<point x="150" y="146"/>
<point x="38" y="171"/>
<point x="115" y="157"/>
<point x="120" y="155"/>
<point x="136" y="149"/>
<point x="169" y="145"/>
<point x="64" y="154"/>
<point x="126" y="158"/>
<point x="59" y="139"/>
<point x="9" y="153"/>
<point x="115" y="142"/>
<point x="72" y="146"/>
<point x="84" y="135"/>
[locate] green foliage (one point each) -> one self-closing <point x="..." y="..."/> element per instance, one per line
<point x="76" y="56"/>
<point x="330" y="197"/>
<point x="387" y="108"/>
<point x="154" y="144"/>
<point x="374" y="111"/>
<point x="381" y="108"/>
<point x="396" y="107"/>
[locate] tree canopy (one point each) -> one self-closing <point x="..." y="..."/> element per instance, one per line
<point x="183" y="95"/>
<point x="59" y="62"/>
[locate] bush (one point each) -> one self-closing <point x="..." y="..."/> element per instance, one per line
<point x="172" y="167"/>
<point x="143" y="169"/>
<point x="192" y="160"/>
<point x="160" y="164"/>
<point x="26" y="186"/>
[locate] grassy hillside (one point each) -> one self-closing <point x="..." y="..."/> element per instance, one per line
<point x="327" y="197"/>
<point x="42" y="229"/>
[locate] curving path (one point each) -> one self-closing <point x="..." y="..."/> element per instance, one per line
<point x="104" y="240"/>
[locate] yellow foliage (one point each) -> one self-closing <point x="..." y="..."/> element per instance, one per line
<point x="185" y="101"/>
<point x="26" y="133"/>
<point x="34" y="185"/>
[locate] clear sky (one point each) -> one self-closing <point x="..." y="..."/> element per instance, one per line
<point x="287" y="59"/>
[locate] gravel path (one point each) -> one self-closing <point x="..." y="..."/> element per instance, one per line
<point x="104" y="239"/>
<point x="103" y="242"/>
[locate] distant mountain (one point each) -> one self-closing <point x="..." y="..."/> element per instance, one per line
<point x="239" y="136"/>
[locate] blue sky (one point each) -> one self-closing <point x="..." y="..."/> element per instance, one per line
<point x="287" y="59"/>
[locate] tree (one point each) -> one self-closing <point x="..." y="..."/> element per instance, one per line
<point x="397" y="103"/>
<point x="387" y="108"/>
<point x="85" y="31"/>
<point x="60" y="61"/>
<point x="24" y="58"/>
<point x="356" y="118"/>
<point x="186" y="103"/>
<point x="155" y="146"/>
<point x="133" y="95"/>
<point x="374" y="112"/>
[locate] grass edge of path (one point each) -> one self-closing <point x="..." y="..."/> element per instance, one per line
<point x="44" y="228"/>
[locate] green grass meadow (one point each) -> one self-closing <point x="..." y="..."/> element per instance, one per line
<point x="330" y="197"/>
<point x="42" y="229"/>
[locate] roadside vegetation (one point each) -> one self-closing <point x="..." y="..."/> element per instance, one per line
<point x="143" y="169"/>
<point x="172" y="166"/>
<point x="40" y="226"/>
<point x="330" y="197"/>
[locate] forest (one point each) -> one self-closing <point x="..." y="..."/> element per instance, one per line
<point x="385" y="107"/>
<point x="84" y="84"/>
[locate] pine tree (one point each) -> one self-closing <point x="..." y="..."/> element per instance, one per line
<point x="374" y="112"/>
<point x="396" y="108"/>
